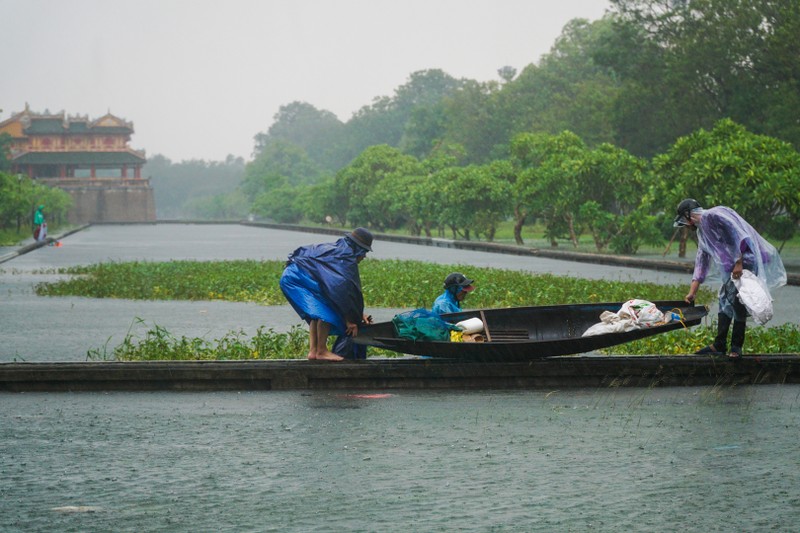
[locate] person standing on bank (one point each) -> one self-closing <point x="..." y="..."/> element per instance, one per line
<point x="456" y="288"/>
<point x="323" y="285"/>
<point x="733" y="245"/>
<point x="39" y="225"/>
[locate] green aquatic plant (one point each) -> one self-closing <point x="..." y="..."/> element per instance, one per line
<point x="386" y="283"/>
<point x="158" y="344"/>
<point x="760" y="339"/>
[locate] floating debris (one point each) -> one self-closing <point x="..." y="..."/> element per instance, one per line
<point x="76" y="509"/>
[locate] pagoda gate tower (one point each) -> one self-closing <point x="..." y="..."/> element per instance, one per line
<point x="89" y="159"/>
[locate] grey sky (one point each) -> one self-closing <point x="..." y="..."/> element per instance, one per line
<point x="199" y="78"/>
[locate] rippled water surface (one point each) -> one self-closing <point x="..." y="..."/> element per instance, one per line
<point x="678" y="459"/>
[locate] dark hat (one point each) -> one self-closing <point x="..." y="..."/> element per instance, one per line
<point x="457" y="279"/>
<point x="362" y="237"/>
<point x="684" y="211"/>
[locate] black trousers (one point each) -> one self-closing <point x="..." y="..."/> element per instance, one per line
<point x="737" y="337"/>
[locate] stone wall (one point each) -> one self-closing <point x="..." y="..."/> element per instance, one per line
<point x="108" y="200"/>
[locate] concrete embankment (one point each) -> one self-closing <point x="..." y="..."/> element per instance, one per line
<point x="38" y="244"/>
<point x="379" y="374"/>
<point x="666" y="265"/>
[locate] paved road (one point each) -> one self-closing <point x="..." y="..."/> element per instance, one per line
<point x="34" y="328"/>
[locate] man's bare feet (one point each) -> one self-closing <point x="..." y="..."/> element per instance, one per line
<point x="327" y="356"/>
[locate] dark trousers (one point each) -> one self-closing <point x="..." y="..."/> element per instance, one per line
<point x="737" y="337"/>
<point x="345" y="347"/>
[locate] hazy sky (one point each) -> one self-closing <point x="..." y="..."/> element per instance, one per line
<point x="199" y="78"/>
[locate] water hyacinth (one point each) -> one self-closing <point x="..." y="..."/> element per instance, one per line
<point x="386" y="283"/>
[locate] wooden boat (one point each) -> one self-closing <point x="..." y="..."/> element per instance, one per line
<point x="525" y="333"/>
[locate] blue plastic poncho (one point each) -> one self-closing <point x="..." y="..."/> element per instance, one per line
<point x="321" y="281"/>
<point x="446" y="303"/>
<point x="723" y="237"/>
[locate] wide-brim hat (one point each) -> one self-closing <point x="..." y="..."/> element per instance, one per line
<point x="362" y="237"/>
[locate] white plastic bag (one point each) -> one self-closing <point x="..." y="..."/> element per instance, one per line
<point x="643" y="313"/>
<point x="633" y="314"/>
<point x="755" y="296"/>
<point x="610" y="323"/>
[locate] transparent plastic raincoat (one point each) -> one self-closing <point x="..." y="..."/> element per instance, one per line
<point x="723" y="237"/>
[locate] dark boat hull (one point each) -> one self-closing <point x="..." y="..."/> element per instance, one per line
<point x="525" y="333"/>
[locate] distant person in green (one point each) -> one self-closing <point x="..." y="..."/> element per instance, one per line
<point x="39" y="225"/>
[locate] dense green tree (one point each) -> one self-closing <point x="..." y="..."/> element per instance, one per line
<point x="759" y="176"/>
<point x="547" y="181"/>
<point x="566" y="90"/>
<point x="175" y="184"/>
<point x="685" y="65"/>
<point x="229" y="206"/>
<point x="313" y="130"/>
<point x="19" y="196"/>
<point x="756" y="175"/>
<point x="472" y="121"/>
<point x="612" y="183"/>
<point x="411" y="119"/>
<point x="323" y="202"/>
<point x="278" y="164"/>
<point x="474" y="200"/>
<point x="359" y="179"/>
<point x="282" y="205"/>
<point x="425" y="130"/>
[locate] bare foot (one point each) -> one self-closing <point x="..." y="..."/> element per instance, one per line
<point x="328" y="356"/>
<point x="312" y="355"/>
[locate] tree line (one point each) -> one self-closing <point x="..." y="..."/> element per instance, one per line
<point x="656" y="101"/>
<point x="626" y="115"/>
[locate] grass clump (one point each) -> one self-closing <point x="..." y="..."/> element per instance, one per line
<point x="159" y="344"/>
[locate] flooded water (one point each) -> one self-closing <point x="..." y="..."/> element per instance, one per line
<point x="36" y="329"/>
<point x="681" y="459"/>
<point x="677" y="459"/>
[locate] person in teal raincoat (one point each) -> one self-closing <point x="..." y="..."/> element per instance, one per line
<point x="456" y="288"/>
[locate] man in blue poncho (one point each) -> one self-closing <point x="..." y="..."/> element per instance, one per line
<point x="456" y="288"/>
<point x="732" y="245"/>
<point x="323" y="285"/>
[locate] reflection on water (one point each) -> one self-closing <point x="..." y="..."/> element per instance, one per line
<point x="678" y="459"/>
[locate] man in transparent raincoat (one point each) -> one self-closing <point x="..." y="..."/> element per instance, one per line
<point x="732" y="245"/>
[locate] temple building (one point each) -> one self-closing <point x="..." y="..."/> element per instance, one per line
<point x="89" y="159"/>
